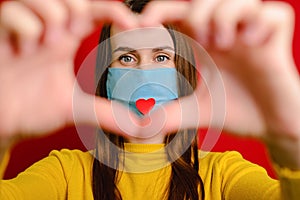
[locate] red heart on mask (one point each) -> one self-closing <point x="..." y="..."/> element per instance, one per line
<point x="144" y="106"/>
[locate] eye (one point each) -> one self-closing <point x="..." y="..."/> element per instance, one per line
<point x="126" y="59"/>
<point x="162" y="58"/>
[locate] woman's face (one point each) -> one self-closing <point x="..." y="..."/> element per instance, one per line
<point x="142" y="48"/>
<point x="147" y="48"/>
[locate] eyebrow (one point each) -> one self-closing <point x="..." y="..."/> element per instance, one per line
<point x="129" y="49"/>
<point x="163" y="48"/>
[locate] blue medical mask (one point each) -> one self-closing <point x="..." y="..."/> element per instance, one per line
<point x="128" y="85"/>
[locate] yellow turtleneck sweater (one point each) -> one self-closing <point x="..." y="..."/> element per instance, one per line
<point x="67" y="174"/>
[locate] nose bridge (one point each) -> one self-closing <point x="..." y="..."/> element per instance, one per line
<point x="145" y="59"/>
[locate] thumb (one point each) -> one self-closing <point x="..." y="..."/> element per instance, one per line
<point x="100" y="112"/>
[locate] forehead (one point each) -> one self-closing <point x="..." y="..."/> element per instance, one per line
<point x="141" y="38"/>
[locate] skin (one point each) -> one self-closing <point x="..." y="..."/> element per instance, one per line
<point x="259" y="73"/>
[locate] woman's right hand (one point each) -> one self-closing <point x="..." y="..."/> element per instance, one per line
<point x="38" y="42"/>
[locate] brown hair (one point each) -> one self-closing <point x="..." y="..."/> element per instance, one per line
<point x="185" y="182"/>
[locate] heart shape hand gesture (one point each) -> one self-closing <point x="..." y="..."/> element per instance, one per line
<point x="250" y="44"/>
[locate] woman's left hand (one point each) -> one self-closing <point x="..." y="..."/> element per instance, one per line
<point x="250" y="42"/>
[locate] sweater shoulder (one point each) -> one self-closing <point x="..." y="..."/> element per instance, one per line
<point x="228" y="162"/>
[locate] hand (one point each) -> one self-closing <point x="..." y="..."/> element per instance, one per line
<point x="250" y="42"/>
<point x="38" y="42"/>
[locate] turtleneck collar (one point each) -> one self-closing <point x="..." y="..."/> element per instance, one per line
<point x="143" y="158"/>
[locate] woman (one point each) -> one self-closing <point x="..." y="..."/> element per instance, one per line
<point x="67" y="174"/>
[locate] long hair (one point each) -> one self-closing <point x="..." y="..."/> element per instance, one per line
<point x="185" y="182"/>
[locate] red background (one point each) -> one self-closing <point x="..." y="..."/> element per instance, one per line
<point x="29" y="151"/>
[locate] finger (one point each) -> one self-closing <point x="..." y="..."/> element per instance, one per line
<point x="19" y="24"/>
<point x="112" y="11"/>
<point x="227" y="17"/>
<point x="79" y="16"/>
<point x="100" y="112"/>
<point x="276" y="17"/>
<point x="199" y="18"/>
<point x="193" y="18"/>
<point x="54" y="15"/>
<point x="159" y="12"/>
